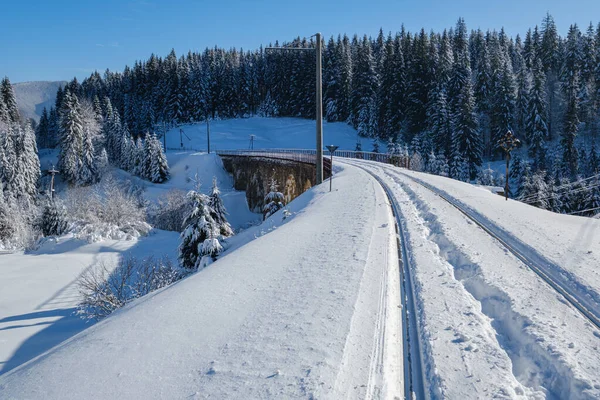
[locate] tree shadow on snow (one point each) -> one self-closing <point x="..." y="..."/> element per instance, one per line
<point x="61" y="303"/>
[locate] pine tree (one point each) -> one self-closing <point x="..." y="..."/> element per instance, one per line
<point x="200" y="228"/>
<point x="42" y="132"/>
<point x="88" y="170"/>
<point x="28" y="166"/>
<point x="219" y="214"/>
<point x="54" y="219"/>
<point x="537" y="127"/>
<point x="10" y="102"/>
<point x="159" y="168"/>
<point x="273" y="200"/>
<point x="71" y="138"/>
<point x="592" y="200"/>
<point x="364" y="85"/>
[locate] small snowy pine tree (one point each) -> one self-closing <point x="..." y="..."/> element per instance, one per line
<point x="219" y="213"/>
<point x="199" y="227"/>
<point x="273" y="200"/>
<point x="54" y="219"/>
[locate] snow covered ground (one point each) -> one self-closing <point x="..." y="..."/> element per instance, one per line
<point x="270" y="133"/>
<point x="314" y="317"/>
<point x="309" y="306"/>
<point x="491" y="327"/>
<point x="38" y="294"/>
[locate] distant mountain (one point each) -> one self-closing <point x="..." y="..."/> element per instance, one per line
<point x="32" y="97"/>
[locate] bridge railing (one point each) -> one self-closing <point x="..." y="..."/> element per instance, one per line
<point x="308" y="155"/>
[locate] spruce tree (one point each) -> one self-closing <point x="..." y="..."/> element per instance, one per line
<point x="71" y="138"/>
<point x="159" y="168"/>
<point x="273" y="200"/>
<point x="54" y="219"/>
<point x="219" y="214"/>
<point x="10" y="102"/>
<point x="537" y="126"/>
<point x="199" y="228"/>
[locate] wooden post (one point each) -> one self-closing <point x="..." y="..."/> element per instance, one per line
<point x="319" y="110"/>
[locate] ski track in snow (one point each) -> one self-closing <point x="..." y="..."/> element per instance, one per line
<point x="552" y="350"/>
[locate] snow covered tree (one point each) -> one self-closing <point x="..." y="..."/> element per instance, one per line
<point x="71" y="138"/>
<point x="8" y="97"/>
<point x="535" y="190"/>
<point x="273" y="200"/>
<point x="88" y="170"/>
<point x="159" y="168"/>
<point x="592" y="198"/>
<point x="198" y="237"/>
<point x="537" y="126"/>
<point x="219" y="214"/>
<point x="54" y="219"/>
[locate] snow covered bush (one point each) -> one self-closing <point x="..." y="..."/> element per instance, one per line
<point x="53" y="221"/>
<point x="108" y="210"/>
<point x="170" y="212"/>
<point x="487" y="177"/>
<point x="104" y="289"/>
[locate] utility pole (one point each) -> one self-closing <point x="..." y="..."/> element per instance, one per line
<point x="208" y="134"/>
<point x="508" y="143"/>
<point x="319" y="102"/>
<point x="319" y="113"/>
<point x="52" y="172"/>
<point x="251" y="142"/>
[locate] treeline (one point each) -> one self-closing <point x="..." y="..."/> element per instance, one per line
<point x="452" y="94"/>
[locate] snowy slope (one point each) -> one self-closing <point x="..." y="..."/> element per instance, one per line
<point x="315" y="317"/>
<point x="37" y="290"/>
<point x="270" y="133"/>
<point x="38" y="293"/>
<point x="32" y="97"/>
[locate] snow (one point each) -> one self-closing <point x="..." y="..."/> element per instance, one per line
<point x="492" y="327"/>
<point x="32" y="97"/>
<point x="38" y="293"/>
<point x="313" y="317"/>
<point x="270" y="133"/>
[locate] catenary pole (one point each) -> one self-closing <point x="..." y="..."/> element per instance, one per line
<point x="319" y="101"/>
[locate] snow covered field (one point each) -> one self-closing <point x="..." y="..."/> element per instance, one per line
<point x="270" y="133"/>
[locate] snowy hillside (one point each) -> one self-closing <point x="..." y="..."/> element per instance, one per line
<point x="273" y="319"/>
<point x="32" y="97"/>
<point x="270" y="133"/>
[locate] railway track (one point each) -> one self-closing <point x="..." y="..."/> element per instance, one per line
<point x="587" y="306"/>
<point x="414" y="378"/>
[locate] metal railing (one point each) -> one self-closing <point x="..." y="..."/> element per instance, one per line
<point x="308" y="155"/>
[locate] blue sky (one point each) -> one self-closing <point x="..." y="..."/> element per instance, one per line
<point x="56" y="40"/>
